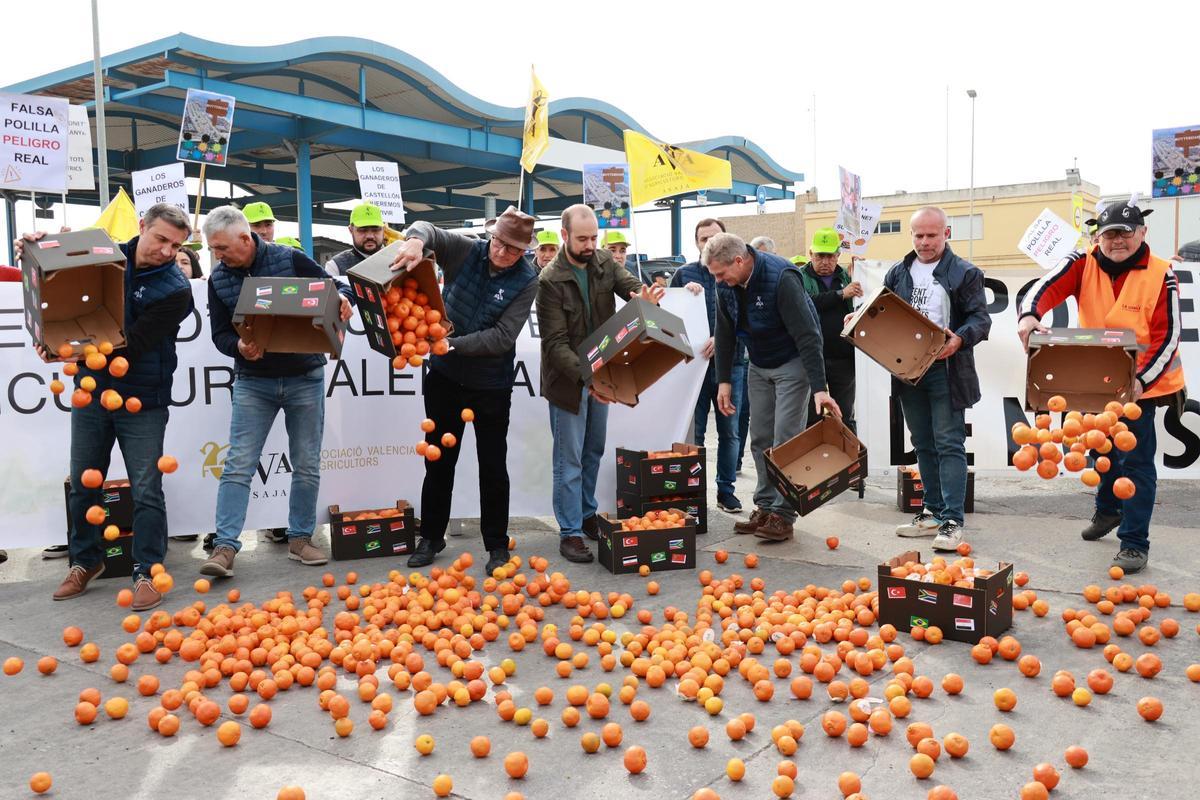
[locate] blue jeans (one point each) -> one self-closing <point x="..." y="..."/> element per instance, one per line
<point x="256" y="403"/>
<point x="1138" y="466"/>
<point x="578" y="448"/>
<point x="743" y="415"/>
<point x="939" y="434"/>
<point x="94" y="429"/>
<point x="727" y="441"/>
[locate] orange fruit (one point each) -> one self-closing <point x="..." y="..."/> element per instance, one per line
<point x="952" y="683"/>
<point x="428" y="425"/>
<point x="433" y="452"/>
<point x="1005" y="699"/>
<point x="635" y="760"/>
<point x="133" y="405"/>
<point x="449" y="440"/>
<point x="698" y="736"/>
<point x="1034" y="791"/>
<point x="229" y="733"/>
<point x="956" y="745"/>
<point x="1150" y="708"/>
<point x="611" y="734"/>
<point x="116" y="707"/>
<point x="1076" y="757"/>
<point x="1046" y="775"/>
<point x="1002" y="736"/>
<point x="39" y="782"/>
<point x="47" y="664"/>
<point x="13" y="665"/>
<point x="443" y="785"/>
<point x="783" y="786"/>
<point x="92" y="478"/>
<point x="735" y="769"/>
<point x="1057" y="404"/>
<point x="832" y="542"/>
<point x="167" y="464"/>
<point x="849" y="783"/>
<point x="481" y="746"/>
<point x="1123" y="488"/>
<point x="290" y="793"/>
<point x="751" y="561"/>
<point x="168" y="725"/>
<point x="85" y="712"/>
<point x="516" y="764"/>
<point x="260" y="716"/>
<point x="921" y="766"/>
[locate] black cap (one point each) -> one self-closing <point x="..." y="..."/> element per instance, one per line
<point x="1119" y="216"/>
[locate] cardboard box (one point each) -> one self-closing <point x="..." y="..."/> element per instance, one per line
<point x="910" y="491"/>
<point x="117" y="499"/>
<point x="118" y="555"/>
<point x="372" y="277"/>
<point x="74" y="289"/>
<point x="640" y="475"/>
<point x="695" y="505"/>
<point x="622" y="552"/>
<point x="373" y="537"/>
<point x="817" y="465"/>
<point x="895" y="335"/>
<point x="1089" y="367"/>
<point x="964" y="615"/>
<point x="291" y="315"/>
<point x="631" y="350"/>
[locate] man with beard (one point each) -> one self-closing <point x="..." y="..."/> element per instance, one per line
<point x="366" y="231"/>
<point x="1120" y="284"/>
<point x="576" y="294"/>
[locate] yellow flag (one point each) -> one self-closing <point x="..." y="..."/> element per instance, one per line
<point x="537" y="125"/>
<point x="119" y="219"/>
<point x="657" y="169"/>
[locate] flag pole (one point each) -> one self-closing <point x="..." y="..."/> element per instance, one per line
<point x="199" y="198"/>
<point x="64" y="205"/>
<point x="32" y="210"/>
<point x="521" y="189"/>
<point x="633" y="232"/>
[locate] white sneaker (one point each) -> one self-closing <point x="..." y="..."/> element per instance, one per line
<point x="949" y="536"/>
<point x="923" y="524"/>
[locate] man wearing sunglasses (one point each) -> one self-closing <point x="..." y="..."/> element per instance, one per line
<point x="1120" y="284"/>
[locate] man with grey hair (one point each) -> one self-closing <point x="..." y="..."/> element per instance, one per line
<point x="764" y="243"/>
<point x="762" y="302"/>
<point x="157" y="300"/>
<point x="949" y="291"/>
<point x="264" y="384"/>
<point x="576" y="294"/>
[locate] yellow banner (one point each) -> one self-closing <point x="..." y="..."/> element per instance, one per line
<point x="657" y="169"/>
<point x="537" y="125"/>
<point x="119" y="219"/>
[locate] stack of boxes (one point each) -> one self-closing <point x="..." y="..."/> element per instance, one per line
<point x="116" y="497"/>
<point x="678" y="481"/>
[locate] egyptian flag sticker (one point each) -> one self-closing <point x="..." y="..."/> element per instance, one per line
<point x="964" y="624"/>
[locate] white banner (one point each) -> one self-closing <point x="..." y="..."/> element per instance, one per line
<point x="79" y="151"/>
<point x="372" y="418"/>
<point x="379" y="184"/>
<point x="1000" y="362"/>
<point x="33" y="142"/>
<point x="1048" y="239"/>
<point x="163" y="184"/>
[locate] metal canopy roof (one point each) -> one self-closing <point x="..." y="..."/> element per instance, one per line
<point x="306" y="111"/>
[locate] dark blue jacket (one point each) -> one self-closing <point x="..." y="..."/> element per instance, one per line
<point x="158" y="297"/>
<point x="695" y="272"/>
<point x="969" y="318"/>
<point x="475" y="301"/>
<point x="767" y="340"/>
<point x="224" y="288"/>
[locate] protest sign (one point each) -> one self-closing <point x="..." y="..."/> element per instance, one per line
<point x="34" y="132"/>
<point x="849" y="217"/>
<point x="379" y="184"/>
<point x="159" y="185"/>
<point x="606" y="190"/>
<point x="205" y="128"/>
<point x="1049" y="239"/>
<point x="79" y="151"/>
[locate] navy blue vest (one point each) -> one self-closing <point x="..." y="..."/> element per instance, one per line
<point x="475" y="301"/>
<point x="270" y="261"/>
<point x="767" y="340"/>
<point x="347" y="259"/>
<point x="150" y="375"/>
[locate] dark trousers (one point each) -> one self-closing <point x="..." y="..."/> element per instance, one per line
<point x="1138" y="466"/>
<point x="94" y="430"/>
<point x="444" y="402"/>
<point x="839" y="374"/>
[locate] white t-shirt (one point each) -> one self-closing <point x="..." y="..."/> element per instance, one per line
<point x="928" y="296"/>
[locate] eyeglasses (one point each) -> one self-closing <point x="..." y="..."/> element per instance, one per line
<point x="1114" y="233"/>
<point x="504" y="247"/>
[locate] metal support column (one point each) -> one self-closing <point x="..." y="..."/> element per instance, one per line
<point x="676" y="226"/>
<point x="304" y="194"/>
<point x="528" y="194"/>
<point x="10" y="222"/>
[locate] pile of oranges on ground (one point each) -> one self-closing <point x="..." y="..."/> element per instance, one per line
<point x="657" y="520"/>
<point x="431" y="451"/>
<point x="95" y="359"/>
<point x="420" y="638"/>
<point x="1042" y="445"/>
<point x="416" y="329"/>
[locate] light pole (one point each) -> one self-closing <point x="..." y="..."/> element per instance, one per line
<point x="971" y="212"/>
<point x="98" y="85"/>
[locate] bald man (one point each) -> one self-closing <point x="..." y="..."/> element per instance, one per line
<point x="949" y="291"/>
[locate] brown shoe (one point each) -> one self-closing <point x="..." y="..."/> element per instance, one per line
<point x="774" y="529"/>
<point x="301" y="549"/>
<point x="77" y="580"/>
<point x="757" y="517"/>
<point x="145" y="596"/>
<point x="220" y="563"/>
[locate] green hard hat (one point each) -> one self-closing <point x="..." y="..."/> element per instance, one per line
<point x="614" y="237"/>
<point x="258" y="212"/>
<point x="289" y="241"/>
<point x="548" y="237"/>
<point x="826" y="240"/>
<point x="366" y="215"/>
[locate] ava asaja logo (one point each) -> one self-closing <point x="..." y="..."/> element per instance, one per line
<point x="269" y="466"/>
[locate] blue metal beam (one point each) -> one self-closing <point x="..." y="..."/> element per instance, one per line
<point x="304" y="193"/>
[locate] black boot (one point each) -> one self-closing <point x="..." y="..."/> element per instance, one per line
<point x="426" y="550"/>
<point x="1101" y="526"/>
<point x="572" y="548"/>
<point x="497" y="558"/>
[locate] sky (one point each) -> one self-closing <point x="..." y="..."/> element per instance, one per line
<point x="1057" y="83"/>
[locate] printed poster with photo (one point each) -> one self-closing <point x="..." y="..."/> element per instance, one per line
<point x="205" y="128"/>
<point x="606" y="190"/>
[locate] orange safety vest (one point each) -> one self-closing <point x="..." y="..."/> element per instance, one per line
<point x="1100" y="307"/>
